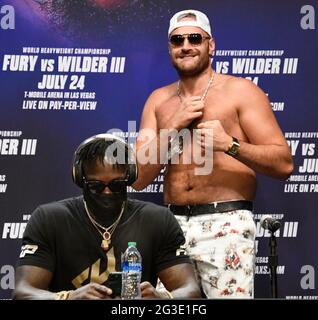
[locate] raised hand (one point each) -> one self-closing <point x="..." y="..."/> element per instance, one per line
<point x="212" y="136"/>
<point x="190" y="108"/>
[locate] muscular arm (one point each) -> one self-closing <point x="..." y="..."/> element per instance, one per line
<point x="266" y="150"/>
<point x="154" y="140"/>
<point x="179" y="280"/>
<point x="32" y="283"/>
<point x="148" y="145"/>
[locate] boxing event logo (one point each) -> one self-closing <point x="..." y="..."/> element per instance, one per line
<point x="12" y="143"/>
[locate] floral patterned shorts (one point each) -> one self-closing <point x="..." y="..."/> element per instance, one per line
<point x="222" y="247"/>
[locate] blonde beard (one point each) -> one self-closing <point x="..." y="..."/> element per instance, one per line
<point x="196" y="70"/>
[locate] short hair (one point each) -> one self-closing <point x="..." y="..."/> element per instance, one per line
<point x="107" y="149"/>
<point x="97" y="150"/>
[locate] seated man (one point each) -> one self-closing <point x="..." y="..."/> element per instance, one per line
<point x="70" y="246"/>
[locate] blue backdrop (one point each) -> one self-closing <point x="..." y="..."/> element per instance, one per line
<point x="105" y="58"/>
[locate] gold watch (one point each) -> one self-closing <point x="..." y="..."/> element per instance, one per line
<point x="234" y="147"/>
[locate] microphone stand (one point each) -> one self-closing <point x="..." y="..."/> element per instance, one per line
<point x="273" y="262"/>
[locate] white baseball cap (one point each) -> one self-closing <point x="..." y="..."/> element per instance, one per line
<point x="201" y="21"/>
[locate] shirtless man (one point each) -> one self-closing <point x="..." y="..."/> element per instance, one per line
<point x="214" y="209"/>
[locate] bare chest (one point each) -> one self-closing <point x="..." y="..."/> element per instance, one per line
<point x="216" y="107"/>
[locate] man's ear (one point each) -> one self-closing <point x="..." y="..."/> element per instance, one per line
<point x="211" y="47"/>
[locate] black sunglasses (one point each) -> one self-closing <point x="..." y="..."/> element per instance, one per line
<point x="195" y="39"/>
<point x="116" y="185"/>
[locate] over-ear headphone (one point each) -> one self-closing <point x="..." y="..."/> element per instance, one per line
<point x="77" y="167"/>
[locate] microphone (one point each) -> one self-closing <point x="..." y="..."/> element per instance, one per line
<point x="269" y="223"/>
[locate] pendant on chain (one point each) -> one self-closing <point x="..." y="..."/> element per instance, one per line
<point x="106" y="240"/>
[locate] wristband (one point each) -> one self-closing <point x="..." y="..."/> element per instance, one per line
<point x="168" y="293"/>
<point x="63" y="295"/>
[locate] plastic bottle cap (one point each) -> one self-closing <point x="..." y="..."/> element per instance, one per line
<point x="132" y="244"/>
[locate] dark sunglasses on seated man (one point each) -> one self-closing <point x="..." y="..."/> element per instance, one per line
<point x="97" y="186"/>
<point x="194" y="39"/>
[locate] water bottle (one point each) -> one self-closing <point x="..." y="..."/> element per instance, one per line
<point x="131" y="275"/>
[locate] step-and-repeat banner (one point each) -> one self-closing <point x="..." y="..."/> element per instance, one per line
<point x="72" y="69"/>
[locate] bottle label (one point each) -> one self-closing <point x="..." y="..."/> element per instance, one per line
<point x="132" y="267"/>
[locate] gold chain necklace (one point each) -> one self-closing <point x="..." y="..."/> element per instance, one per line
<point x="205" y="92"/>
<point x="108" y="232"/>
<point x="178" y="147"/>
